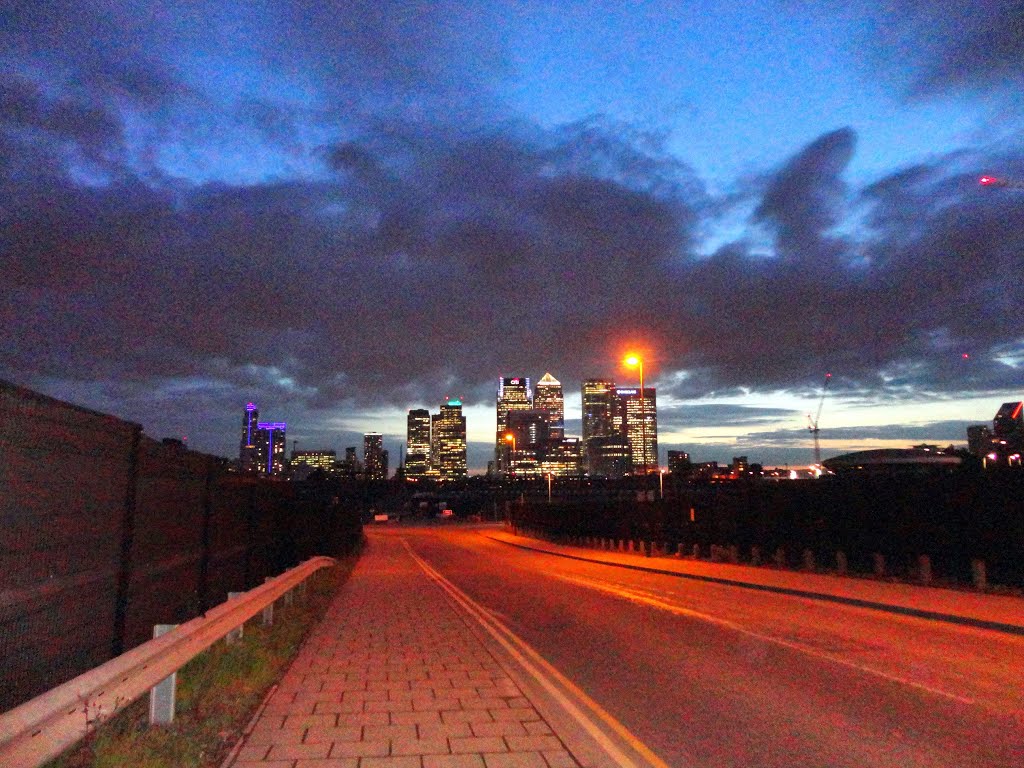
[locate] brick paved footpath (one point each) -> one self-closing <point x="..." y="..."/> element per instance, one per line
<point x="393" y="677"/>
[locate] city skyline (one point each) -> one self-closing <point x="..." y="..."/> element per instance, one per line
<point x="344" y="216"/>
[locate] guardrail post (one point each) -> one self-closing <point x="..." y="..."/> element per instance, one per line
<point x="162" y="695"/>
<point x="809" y="560"/>
<point x="236" y="633"/>
<point x="841" y="564"/>
<point x="755" y="555"/>
<point x="268" y="612"/>
<point x="924" y="569"/>
<point x="696" y="551"/>
<point x="780" y="557"/>
<point x="879" y="564"/>
<point x="978" y="574"/>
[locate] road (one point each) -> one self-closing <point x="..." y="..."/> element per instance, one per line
<point x="714" y="675"/>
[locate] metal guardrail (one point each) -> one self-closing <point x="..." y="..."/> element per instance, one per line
<point x="45" y="726"/>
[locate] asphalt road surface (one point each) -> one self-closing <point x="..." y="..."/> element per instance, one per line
<point x="714" y="675"/>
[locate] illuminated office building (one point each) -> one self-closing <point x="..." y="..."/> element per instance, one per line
<point x="531" y="432"/>
<point x="448" y="441"/>
<point x="548" y="397"/>
<point x="598" y="408"/>
<point x="271" y="439"/>
<point x="417" y="443"/>
<point x="605" y="451"/>
<point x="305" y="463"/>
<point x="375" y="458"/>
<point x="562" y="458"/>
<point x="248" y="456"/>
<point x="514" y="394"/>
<point x="637" y="420"/>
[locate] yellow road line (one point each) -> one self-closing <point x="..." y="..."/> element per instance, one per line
<point x="546" y="675"/>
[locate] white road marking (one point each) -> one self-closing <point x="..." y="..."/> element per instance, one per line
<point x="646" y="598"/>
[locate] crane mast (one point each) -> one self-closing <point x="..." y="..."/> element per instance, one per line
<point x="812" y="424"/>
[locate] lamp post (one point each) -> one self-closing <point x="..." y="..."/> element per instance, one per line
<point x="549" y="487"/>
<point x="635" y="361"/>
<point x="661" y="483"/>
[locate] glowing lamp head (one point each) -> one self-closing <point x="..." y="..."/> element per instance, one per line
<point x="631" y="361"/>
<point x="509" y="437"/>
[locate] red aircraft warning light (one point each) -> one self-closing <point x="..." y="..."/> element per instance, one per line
<point x="988" y="181"/>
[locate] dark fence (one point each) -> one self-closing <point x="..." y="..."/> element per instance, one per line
<point x="953" y="519"/>
<point x="105" y="532"/>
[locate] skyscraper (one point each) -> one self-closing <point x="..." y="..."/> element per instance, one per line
<point x="598" y="408"/>
<point x="248" y="456"/>
<point x="514" y="394"/>
<point x="548" y="397"/>
<point x="637" y="419"/>
<point x="375" y="458"/>
<point x="271" y="440"/>
<point x="448" y="433"/>
<point x="417" y="443"/>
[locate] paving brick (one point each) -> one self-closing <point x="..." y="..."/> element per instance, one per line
<point x="263" y="764"/>
<point x="309" y="721"/>
<point x="443" y="730"/>
<point x="344" y="733"/>
<point x="390" y="762"/>
<point x="537" y="728"/>
<point x="297" y="751"/>
<point x="453" y="761"/>
<point x="360" y="748"/>
<point x="380" y="732"/>
<point x="470" y="716"/>
<point x="437" y="704"/>
<point x="435" y="746"/>
<point x="559" y="758"/>
<point x="329" y="762"/>
<point x="483" y="703"/>
<point x="276" y="735"/>
<point x="415" y="718"/>
<point x="337" y="707"/>
<point x="515" y="713"/>
<point x="363" y="718"/>
<point x="532" y="743"/>
<point x="478" y="744"/>
<point x="516" y="760"/>
<point x="519" y="701"/>
<point x="388" y="706"/>
<point x="500" y="728"/>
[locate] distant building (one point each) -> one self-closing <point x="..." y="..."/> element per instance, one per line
<point x="531" y="432"/>
<point x="601" y="458"/>
<point x="375" y="458"/>
<point x="562" y="458"/>
<point x="305" y="463"/>
<point x="891" y="460"/>
<point x="548" y="397"/>
<point x="636" y="417"/>
<point x="350" y="467"/>
<point x="248" y="455"/>
<point x="417" y="443"/>
<point x="608" y="455"/>
<point x="679" y="463"/>
<point x="1007" y="442"/>
<point x="514" y="394"/>
<point x="979" y="439"/>
<point x="448" y="438"/>
<point x="271" y="440"/>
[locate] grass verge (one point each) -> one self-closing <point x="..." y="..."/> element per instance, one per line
<point x="217" y="692"/>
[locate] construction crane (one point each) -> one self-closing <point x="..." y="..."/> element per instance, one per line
<point x="812" y="424"/>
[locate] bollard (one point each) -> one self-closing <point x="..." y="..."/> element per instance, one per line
<point x="715" y="557"/>
<point x="696" y="551"/>
<point x="978" y="574"/>
<point x="841" y="563"/>
<point x="679" y="549"/>
<point x="733" y="554"/>
<point x="630" y="546"/>
<point x="236" y="633"/>
<point x="268" y="612"/>
<point x="162" y="695"/>
<point x="924" y="569"/>
<point x="755" y="555"/>
<point x="779" y="557"/>
<point x="808" y="560"/>
<point x="879" y="564"/>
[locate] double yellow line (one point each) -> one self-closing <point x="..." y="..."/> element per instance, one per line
<point x="584" y="710"/>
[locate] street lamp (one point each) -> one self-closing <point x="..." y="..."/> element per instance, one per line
<point x="635" y="361"/>
<point x="661" y="483"/>
<point x="549" y="487"/>
<point x="511" y="438"/>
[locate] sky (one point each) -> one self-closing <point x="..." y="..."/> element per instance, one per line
<point x="342" y="211"/>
